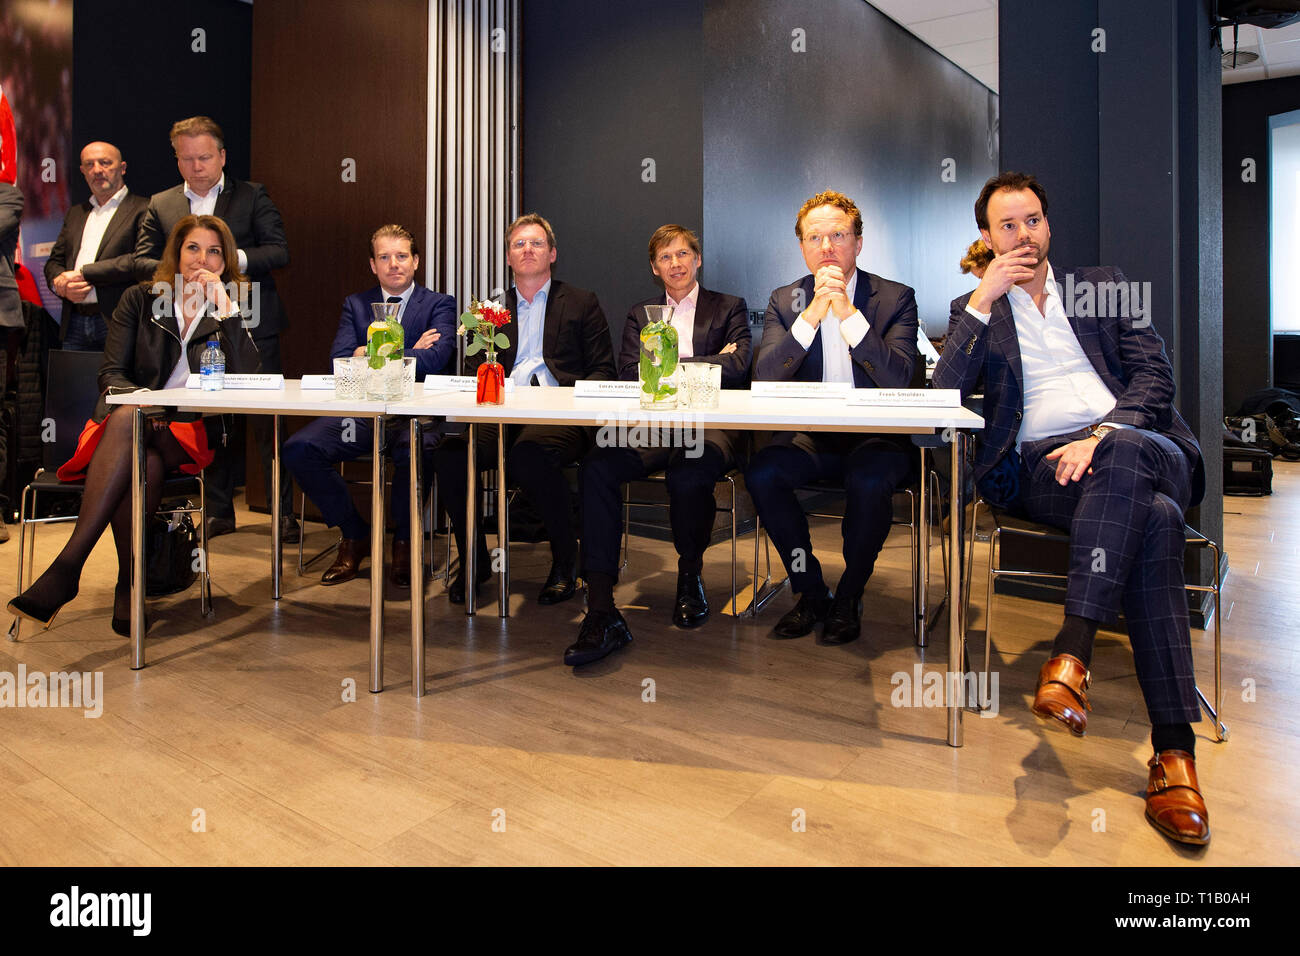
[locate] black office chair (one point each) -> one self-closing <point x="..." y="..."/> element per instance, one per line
<point x="69" y="401"/>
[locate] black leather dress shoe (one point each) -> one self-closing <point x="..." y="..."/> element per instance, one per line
<point x="561" y="584"/>
<point x="352" y="551"/>
<point x="601" y="634"/>
<point x="290" y="532"/>
<point x="843" y="621"/>
<point x="456" y="590"/>
<point x="692" y="608"/>
<point x="219" y="526"/>
<point x="803" y="617"/>
<point x="399" y="569"/>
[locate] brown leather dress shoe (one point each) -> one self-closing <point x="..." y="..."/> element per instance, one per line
<point x="352" y="551"/>
<point x="1061" y="695"/>
<point x="1175" y="806"/>
<point x="399" y="572"/>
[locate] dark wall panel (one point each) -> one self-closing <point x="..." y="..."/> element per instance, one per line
<point x="135" y="73"/>
<point x="607" y="86"/>
<point x="1248" y="349"/>
<point x="337" y="81"/>
<point x="805" y="95"/>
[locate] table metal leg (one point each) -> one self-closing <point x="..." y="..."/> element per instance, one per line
<point x="417" y="557"/>
<point x="137" y="536"/>
<point x="377" y="558"/>
<point x="277" y="549"/>
<point x="503" y="531"/>
<point x="923" y="559"/>
<point x="471" y="528"/>
<point x="956" y="635"/>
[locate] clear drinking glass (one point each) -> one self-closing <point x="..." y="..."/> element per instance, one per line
<point x="703" y="384"/>
<point x="348" y="377"/>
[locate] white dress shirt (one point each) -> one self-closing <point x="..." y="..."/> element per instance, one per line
<point x="203" y="205"/>
<point x="683" y="321"/>
<point x="838" y="336"/>
<point x="529" y="360"/>
<point x="93" y="234"/>
<point x="181" y="372"/>
<point x="1062" y="390"/>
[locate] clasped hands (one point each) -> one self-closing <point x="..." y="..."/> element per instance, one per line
<point x="71" y="285"/>
<point x="830" y="291"/>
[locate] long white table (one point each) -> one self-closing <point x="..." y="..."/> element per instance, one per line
<point x="736" y="410"/>
<point x="292" y="399"/>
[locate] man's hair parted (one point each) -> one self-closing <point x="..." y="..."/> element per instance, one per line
<point x="829" y="197"/>
<point x="1012" y="181"/>
<point x="393" y="231"/>
<point x="531" y="219"/>
<point x="198" y="126"/>
<point x="668" y="234"/>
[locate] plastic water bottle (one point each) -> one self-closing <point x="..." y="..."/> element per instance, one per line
<point x="212" y="367"/>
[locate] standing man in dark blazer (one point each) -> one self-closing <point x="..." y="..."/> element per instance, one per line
<point x="11" y="217"/>
<point x="312" y="454"/>
<point x="558" y="334"/>
<point x="259" y="232"/>
<point x="712" y="327"/>
<point x="93" y="260"/>
<point x="1081" y="433"/>
<point x="838" y="324"/>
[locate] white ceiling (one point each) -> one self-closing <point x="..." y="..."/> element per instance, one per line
<point x="966" y="32"/>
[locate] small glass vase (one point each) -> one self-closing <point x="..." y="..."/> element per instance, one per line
<point x="491" y="381"/>
<point x="657" y="369"/>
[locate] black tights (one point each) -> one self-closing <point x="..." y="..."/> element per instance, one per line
<point x="107" y="500"/>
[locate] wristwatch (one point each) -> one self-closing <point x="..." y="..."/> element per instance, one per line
<point x="1101" y="431"/>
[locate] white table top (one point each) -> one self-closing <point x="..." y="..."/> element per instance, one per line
<point x="736" y="409"/>
<point x="541" y="405"/>
<point x="291" y="399"/>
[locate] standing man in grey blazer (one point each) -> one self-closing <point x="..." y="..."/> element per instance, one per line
<point x="259" y="235"/>
<point x="93" y="260"/>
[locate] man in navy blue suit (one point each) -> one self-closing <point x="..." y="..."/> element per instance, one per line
<point x="1081" y="433"/>
<point x="312" y="454"/>
<point x="838" y="324"/>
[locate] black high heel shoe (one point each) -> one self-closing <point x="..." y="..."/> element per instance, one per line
<point x="23" y="606"/>
<point x="122" y="625"/>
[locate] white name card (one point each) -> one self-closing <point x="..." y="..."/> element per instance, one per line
<point x="260" y="381"/>
<point x="591" y="388"/>
<point x="457" y="383"/>
<point x="838" y="390"/>
<point x="314" y="382"/>
<point x="907" y="397"/>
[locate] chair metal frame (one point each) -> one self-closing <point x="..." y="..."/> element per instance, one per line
<point x="1045" y="532"/>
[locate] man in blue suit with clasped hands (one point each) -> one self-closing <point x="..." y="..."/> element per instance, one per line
<point x="429" y="322"/>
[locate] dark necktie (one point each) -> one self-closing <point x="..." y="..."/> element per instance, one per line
<point x="394" y="298"/>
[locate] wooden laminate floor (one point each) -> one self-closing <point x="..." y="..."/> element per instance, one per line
<point x="240" y="743"/>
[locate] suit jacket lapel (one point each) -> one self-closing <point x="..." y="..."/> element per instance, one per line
<point x="811" y="370"/>
<point x="1089" y="341"/>
<point x="551" y="329"/>
<point x="115" y="225"/>
<point x="507" y="356"/>
<point x="706" y="310"/>
<point x="1002" y="335"/>
<point x="222" y="208"/>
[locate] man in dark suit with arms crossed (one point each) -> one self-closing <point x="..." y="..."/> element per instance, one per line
<point x="1081" y="433"/>
<point x="839" y="324"/>
<point x="93" y="260"/>
<point x="259" y="233"/>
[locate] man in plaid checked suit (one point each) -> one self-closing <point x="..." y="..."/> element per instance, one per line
<point x="1081" y="433"/>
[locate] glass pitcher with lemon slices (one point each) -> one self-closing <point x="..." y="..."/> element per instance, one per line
<point x="384" y="341"/>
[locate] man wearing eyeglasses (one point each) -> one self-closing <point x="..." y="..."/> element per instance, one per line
<point x="255" y="222"/>
<point x="93" y="260"/>
<point x="837" y="324"/>
<point x="558" y="334"/>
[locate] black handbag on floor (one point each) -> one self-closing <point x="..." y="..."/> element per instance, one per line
<point x="170" y="554"/>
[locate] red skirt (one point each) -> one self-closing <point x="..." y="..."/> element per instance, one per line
<point x="193" y="437"/>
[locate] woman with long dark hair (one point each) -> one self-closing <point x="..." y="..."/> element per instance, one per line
<point x="155" y="339"/>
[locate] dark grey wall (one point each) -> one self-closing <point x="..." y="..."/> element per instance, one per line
<point x="1248" y="348"/>
<point x="1126" y="142"/>
<point x="742" y="129"/>
<point x="135" y="73"/>
<point x="864" y="108"/>
<point x="607" y="86"/>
